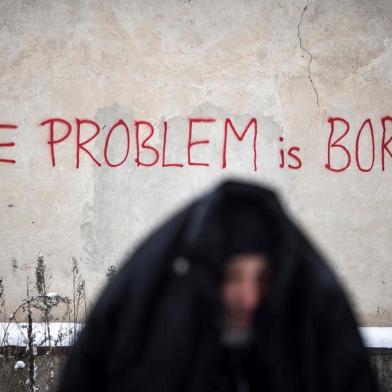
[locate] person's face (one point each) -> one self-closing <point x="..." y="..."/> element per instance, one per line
<point x="246" y="281"/>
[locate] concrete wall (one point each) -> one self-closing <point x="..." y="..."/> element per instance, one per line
<point x="291" y="65"/>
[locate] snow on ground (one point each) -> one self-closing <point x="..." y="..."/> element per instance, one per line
<point x="12" y="334"/>
<point x="379" y="337"/>
<point x="62" y="334"/>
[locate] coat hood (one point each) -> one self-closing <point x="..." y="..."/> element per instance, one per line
<point x="156" y="325"/>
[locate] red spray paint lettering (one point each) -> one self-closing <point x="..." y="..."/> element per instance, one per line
<point x="4" y="127"/>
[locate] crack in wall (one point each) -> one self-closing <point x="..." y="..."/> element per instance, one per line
<point x="307" y="52"/>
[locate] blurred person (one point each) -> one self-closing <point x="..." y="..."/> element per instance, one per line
<point x="226" y="295"/>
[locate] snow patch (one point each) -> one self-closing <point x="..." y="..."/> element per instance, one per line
<point x="377" y="337"/>
<point x="62" y="334"/>
<point x="19" y="365"/>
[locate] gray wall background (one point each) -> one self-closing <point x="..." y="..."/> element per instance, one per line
<point x="290" y="64"/>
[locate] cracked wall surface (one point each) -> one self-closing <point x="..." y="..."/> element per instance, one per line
<point x="291" y="65"/>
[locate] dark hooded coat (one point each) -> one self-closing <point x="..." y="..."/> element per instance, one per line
<point x="156" y="325"/>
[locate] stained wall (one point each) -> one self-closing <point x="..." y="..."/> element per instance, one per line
<point x="297" y="68"/>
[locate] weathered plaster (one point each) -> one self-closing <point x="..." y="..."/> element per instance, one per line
<point x="289" y="64"/>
